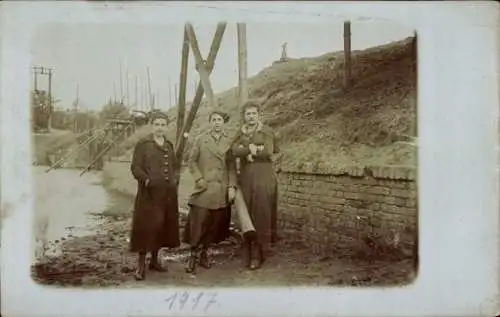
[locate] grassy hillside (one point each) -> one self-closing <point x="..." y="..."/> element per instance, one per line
<point x="304" y="101"/>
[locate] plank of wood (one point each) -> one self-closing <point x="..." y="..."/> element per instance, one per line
<point x="182" y="89"/>
<point x="214" y="49"/>
<point x="201" y="66"/>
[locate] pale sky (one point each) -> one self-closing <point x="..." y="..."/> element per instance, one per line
<point x="90" y="55"/>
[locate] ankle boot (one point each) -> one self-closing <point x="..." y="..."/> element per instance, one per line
<point x="154" y="264"/>
<point x="204" y="259"/>
<point x="191" y="264"/>
<point x="247" y="253"/>
<point x="257" y="256"/>
<point x="140" y="273"/>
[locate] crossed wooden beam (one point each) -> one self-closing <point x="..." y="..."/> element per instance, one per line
<point x="204" y="68"/>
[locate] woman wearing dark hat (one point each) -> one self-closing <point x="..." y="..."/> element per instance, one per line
<point x="155" y="222"/>
<point x="256" y="145"/>
<point x="215" y="188"/>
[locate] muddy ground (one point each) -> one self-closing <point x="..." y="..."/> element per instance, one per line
<point x="102" y="259"/>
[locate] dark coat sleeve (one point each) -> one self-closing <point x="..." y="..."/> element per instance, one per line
<point x="271" y="145"/>
<point x="175" y="163"/>
<point x="137" y="166"/>
<point x="239" y="147"/>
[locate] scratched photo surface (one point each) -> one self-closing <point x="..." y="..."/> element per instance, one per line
<point x="288" y="156"/>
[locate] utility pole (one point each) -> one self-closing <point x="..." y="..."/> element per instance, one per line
<point x="50" y="107"/>
<point x="142" y="95"/>
<point x="347" y="54"/>
<point x="135" y="99"/>
<point x="114" y="92"/>
<point x="157" y="99"/>
<point x="242" y="64"/>
<point x="169" y="93"/>
<point x="75" y="109"/>
<point x="121" y="83"/>
<point x="151" y="105"/>
<point x="128" y="94"/>
<point x="35" y="77"/>
<point x="39" y="70"/>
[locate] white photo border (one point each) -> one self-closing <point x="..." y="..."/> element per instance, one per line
<point x="458" y="93"/>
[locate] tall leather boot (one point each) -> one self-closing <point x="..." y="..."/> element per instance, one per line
<point x="204" y="259"/>
<point x="247" y="253"/>
<point x="140" y="273"/>
<point x="154" y="264"/>
<point x="191" y="264"/>
<point x="248" y="238"/>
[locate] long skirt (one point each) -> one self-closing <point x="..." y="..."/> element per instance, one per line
<point x="205" y="226"/>
<point x="259" y="188"/>
<point x="155" y="221"/>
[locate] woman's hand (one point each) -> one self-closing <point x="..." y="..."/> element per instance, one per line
<point x="201" y="183"/>
<point x="253" y="148"/>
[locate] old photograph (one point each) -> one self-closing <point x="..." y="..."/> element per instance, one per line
<point x="225" y="154"/>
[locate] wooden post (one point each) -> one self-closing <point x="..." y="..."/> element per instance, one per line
<point x="347" y="54"/>
<point x="214" y="49"/>
<point x="242" y="63"/>
<point x="201" y="66"/>
<point x="181" y="110"/>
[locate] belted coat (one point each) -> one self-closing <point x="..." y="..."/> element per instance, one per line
<point x="155" y="221"/>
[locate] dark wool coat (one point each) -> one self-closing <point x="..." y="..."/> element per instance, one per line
<point x="155" y="222"/>
<point x="258" y="181"/>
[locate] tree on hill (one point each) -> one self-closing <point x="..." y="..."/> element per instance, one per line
<point x="114" y="109"/>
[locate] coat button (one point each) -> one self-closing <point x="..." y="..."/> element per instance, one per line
<point x="166" y="155"/>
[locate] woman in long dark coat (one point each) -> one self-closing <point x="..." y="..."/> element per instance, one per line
<point x="257" y="147"/>
<point x="215" y="187"/>
<point x="155" y="223"/>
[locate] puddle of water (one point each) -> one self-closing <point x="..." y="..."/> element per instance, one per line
<point x="64" y="201"/>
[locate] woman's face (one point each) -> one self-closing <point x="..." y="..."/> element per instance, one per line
<point x="159" y="126"/>
<point x="251" y="116"/>
<point x="216" y="121"/>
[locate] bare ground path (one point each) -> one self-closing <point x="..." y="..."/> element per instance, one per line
<point x="100" y="257"/>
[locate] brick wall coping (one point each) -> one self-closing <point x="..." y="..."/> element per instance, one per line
<point x="394" y="172"/>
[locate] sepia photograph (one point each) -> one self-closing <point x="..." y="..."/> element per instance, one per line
<point x="225" y="154"/>
<point x="249" y="158"/>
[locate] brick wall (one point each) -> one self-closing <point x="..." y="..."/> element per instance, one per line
<point x="334" y="210"/>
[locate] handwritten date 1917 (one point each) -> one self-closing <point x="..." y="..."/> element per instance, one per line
<point x="186" y="300"/>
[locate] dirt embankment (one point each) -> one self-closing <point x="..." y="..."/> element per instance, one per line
<point x="303" y="100"/>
